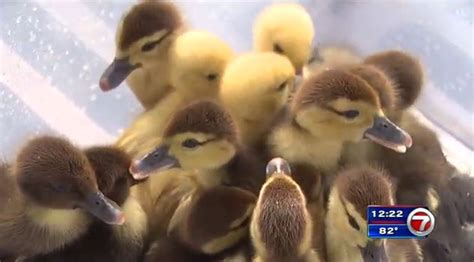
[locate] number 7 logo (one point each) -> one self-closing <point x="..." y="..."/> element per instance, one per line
<point x="420" y="222"/>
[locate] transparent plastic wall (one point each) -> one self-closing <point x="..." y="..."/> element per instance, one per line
<point x="53" y="52"/>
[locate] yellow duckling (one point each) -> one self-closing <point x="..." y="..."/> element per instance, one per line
<point x="255" y="88"/>
<point x="287" y="29"/>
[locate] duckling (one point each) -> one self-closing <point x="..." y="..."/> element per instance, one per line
<point x="287" y="29"/>
<point x="281" y="225"/>
<point x="203" y="137"/>
<point x="331" y="108"/>
<point x="53" y="191"/>
<point x="144" y="37"/>
<point x="197" y="63"/>
<point x="353" y="191"/>
<point x="405" y="71"/>
<point x="255" y="88"/>
<point x="103" y="242"/>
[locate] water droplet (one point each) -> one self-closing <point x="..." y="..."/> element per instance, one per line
<point x="85" y="67"/>
<point x="34" y="9"/>
<point x="93" y="97"/>
<point x="93" y="87"/>
<point x="18" y="20"/>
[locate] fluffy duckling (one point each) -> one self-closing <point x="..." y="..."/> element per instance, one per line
<point x="52" y="190"/>
<point x="346" y="221"/>
<point x="143" y="40"/>
<point x="103" y="242"/>
<point x="287" y="29"/>
<point x="281" y="226"/>
<point x="197" y="62"/>
<point x="255" y="88"/>
<point x="331" y="108"/>
<point x="405" y="71"/>
<point x="203" y="137"/>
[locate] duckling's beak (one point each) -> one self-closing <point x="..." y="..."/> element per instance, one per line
<point x="387" y="134"/>
<point x="278" y="165"/>
<point x="157" y="160"/>
<point x="374" y="253"/>
<point x="103" y="208"/>
<point x="115" y="73"/>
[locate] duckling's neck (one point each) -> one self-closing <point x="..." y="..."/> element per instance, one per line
<point x="150" y="84"/>
<point x="299" y="146"/>
<point x="207" y="178"/>
<point x="61" y="221"/>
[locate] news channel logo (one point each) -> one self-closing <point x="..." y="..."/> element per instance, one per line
<point x="399" y="222"/>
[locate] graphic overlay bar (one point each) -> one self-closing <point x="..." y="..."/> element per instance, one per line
<point x="398" y="222"/>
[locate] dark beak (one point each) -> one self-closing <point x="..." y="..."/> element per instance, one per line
<point x="387" y="134"/>
<point x="374" y="253"/>
<point x="115" y="73"/>
<point x="157" y="160"/>
<point x="103" y="208"/>
<point x="278" y="166"/>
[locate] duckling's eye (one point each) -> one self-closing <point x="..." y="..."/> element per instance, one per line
<point x="149" y="46"/>
<point x="351" y="114"/>
<point x="190" y="143"/>
<point x="211" y="77"/>
<point x="277" y="48"/>
<point x="353" y="223"/>
<point x="281" y="87"/>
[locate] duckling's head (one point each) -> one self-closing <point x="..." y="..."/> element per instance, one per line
<point x="111" y="166"/>
<point x="52" y="173"/>
<point x="281" y="225"/>
<point x="340" y="106"/>
<point x="287" y="29"/>
<point x="200" y="136"/>
<point x="353" y="191"/>
<point x="143" y="38"/>
<point x="379" y="81"/>
<point x="256" y="86"/>
<point x="404" y="70"/>
<point x="197" y="63"/>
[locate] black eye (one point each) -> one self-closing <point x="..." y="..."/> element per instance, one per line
<point x="353" y="222"/>
<point x="277" y="49"/>
<point x="281" y="87"/>
<point x="149" y="46"/>
<point x="350" y="114"/>
<point x="211" y="77"/>
<point x="190" y="143"/>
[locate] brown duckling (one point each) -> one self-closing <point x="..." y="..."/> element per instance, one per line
<point x="53" y="194"/>
<point x="103" y="242"/>
<point x="287" y="29"/>
<point x="330" y="109"/>
<point x="255" y="89"/>
<point x="144" y="37"/>
<point x="197" y="62"/>
<point x="404" y="70"/>
<point x="281" y="226"/>
<point x="353" y="191"/>
<point x="201" y="140"/>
